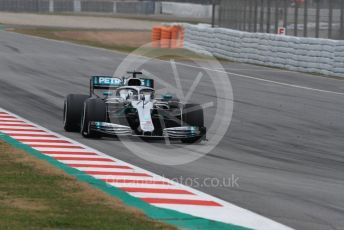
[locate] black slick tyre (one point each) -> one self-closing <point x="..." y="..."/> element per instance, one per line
<point x="193" y="115"/>
<point x="94" y="110"/>
<point x="72" y="110"/>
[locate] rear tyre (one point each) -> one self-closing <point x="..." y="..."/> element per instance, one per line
<point x="193" y="115"/>
<point x="72" y="110"/>
<point x="94" y="110"/>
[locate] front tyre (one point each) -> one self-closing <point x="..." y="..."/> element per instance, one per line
<point x="72" y="110"/>
<point x="193" y="115"/>
<point x="94" y="110"/>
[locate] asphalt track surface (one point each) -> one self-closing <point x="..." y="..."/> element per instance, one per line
<point x="285" y="142"/>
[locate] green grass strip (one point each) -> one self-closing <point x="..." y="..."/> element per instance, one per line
<point x="181" y="220"/>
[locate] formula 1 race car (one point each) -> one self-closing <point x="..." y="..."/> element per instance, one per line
<point x="128" y="106"/>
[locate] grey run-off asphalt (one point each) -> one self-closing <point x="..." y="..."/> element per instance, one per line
<point x="285" y="142"/>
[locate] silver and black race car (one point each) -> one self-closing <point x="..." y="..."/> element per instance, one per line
<point x="128" y="106"/>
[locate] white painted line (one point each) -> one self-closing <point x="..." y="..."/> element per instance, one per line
<point x="141" y="185"/>
<point x="261" y="69"/>
<point x="60" y="149"/>
<point x="102" y="169"/>
<point x="6" y="118"/>
<point x="31" y="137"/>
<point x="88" y="162"/>
<point x="74" y="156"/>
<point x="11" y="123"/>
<point x="162" y="195"/>
<point x="20" y="132"/>
<point x="18" y="128"/>
<point x="111" y="178"/>
<point x="22" y="135"/>
<point x="258" y="79"/>
<point x="50" y="143"/>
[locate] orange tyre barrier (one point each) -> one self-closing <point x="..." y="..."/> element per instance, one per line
<point x="156" y="36"/>
<point x="165" y="37"/>
<point x="168" y="37"/>
<point x="180" y="40"/>
<point x="174" y="36"/>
